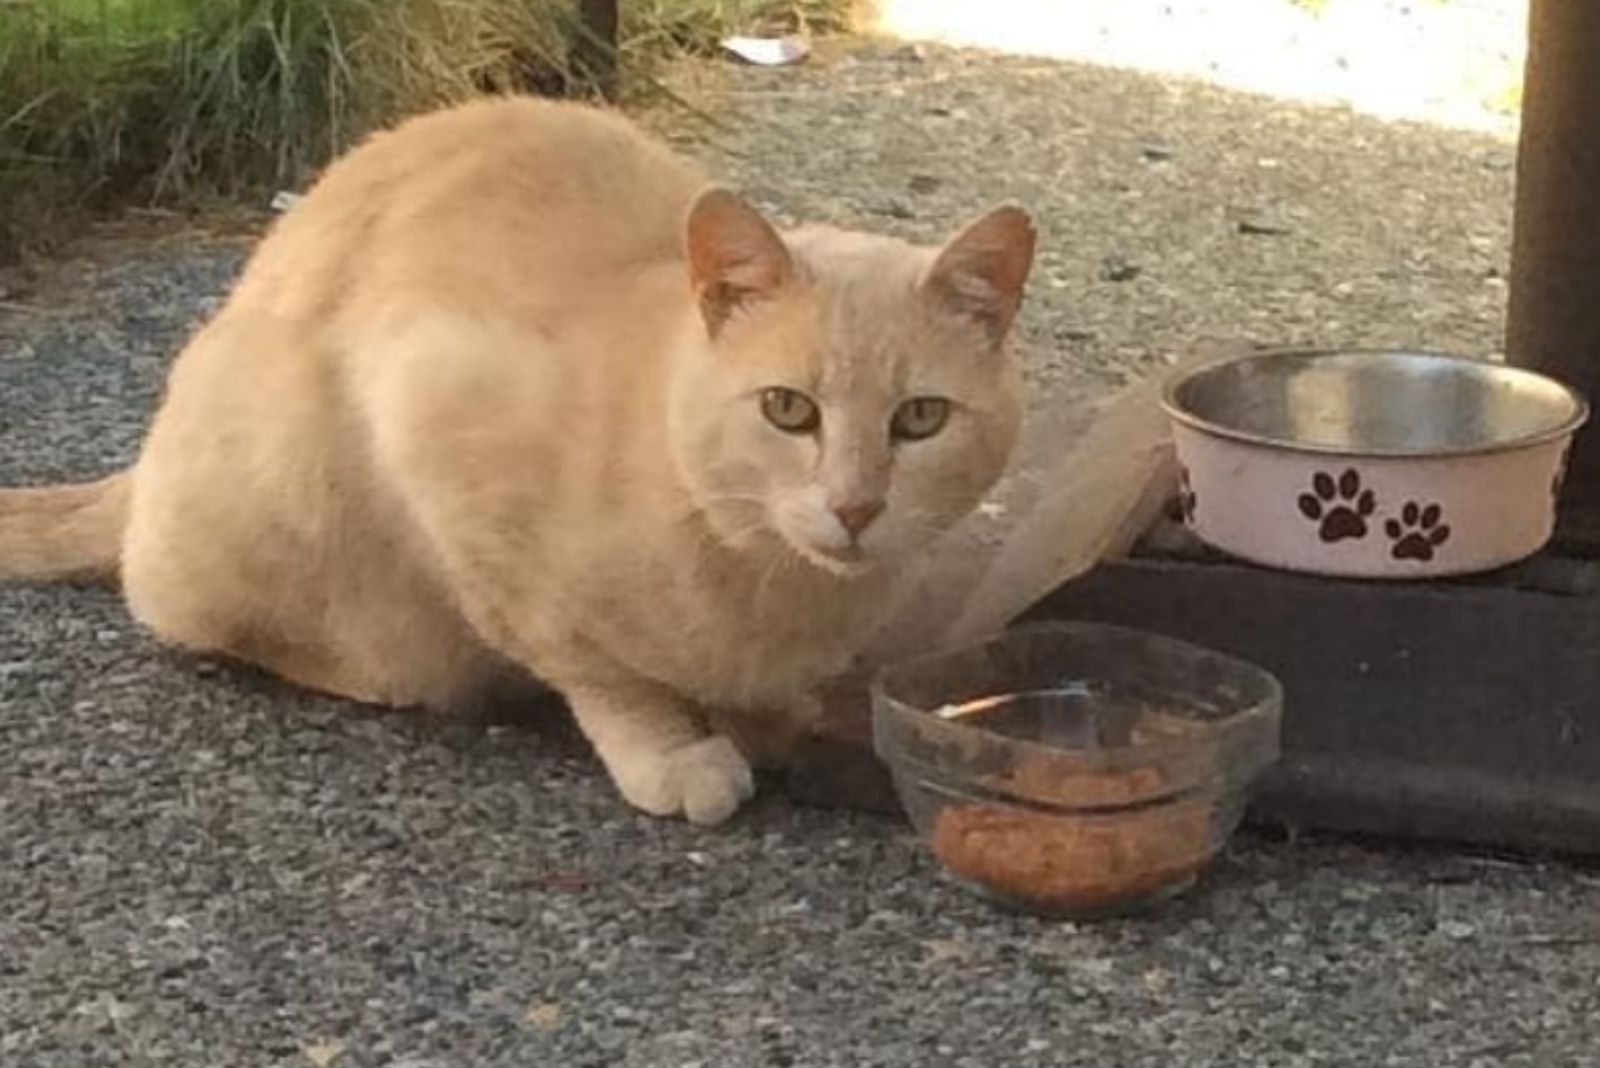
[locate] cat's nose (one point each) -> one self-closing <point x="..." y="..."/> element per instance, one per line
<point x="856" y="516"/>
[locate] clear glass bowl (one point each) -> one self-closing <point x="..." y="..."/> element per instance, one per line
<point x="1076" y="769"/>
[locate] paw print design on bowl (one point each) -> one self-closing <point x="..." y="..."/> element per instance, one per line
<point x="1339" y="508"/>
<point x="1418" y="532"/>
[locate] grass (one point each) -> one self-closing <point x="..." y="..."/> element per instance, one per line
<point x="105" y="103"/>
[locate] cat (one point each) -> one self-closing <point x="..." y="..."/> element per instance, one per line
<point x="514" y="389"/>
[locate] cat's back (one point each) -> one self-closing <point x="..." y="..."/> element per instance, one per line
<point x="519" y="167"/>
<point x="494" y="197"/>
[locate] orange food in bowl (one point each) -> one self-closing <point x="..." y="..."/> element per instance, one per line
<point x="1078" y="861"/>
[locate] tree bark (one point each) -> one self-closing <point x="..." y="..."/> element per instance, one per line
<point x="1554" y="316"/>
<point x="594" y="55"/>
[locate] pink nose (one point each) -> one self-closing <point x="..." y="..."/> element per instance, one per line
<point x="857" y="516"/>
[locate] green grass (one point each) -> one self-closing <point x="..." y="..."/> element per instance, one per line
<point x="105" y="103"/>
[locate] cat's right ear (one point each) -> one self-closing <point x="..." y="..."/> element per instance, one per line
<point x="735" y="256"/>
<point x="981" y="272"/>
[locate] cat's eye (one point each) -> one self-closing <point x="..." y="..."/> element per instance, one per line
<point x="790" y="410"/>
<point x="919" y="418"/>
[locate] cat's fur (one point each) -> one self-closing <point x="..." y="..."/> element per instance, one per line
<point x="489" y="400"/>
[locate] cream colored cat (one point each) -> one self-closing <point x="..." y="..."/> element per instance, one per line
<point x="512" y="390"/>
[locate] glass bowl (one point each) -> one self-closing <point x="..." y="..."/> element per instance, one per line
<point x="1076" y="769"/>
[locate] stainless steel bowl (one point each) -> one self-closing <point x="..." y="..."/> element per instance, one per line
<point x="1386" y="464"/>
<point x="1375" y="403"/>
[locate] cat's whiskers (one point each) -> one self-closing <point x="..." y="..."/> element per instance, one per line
<point x="720" y="498"/>
<point x="707" y="534"/>
<point x="708" y="531"/>
<point x="703" y="505"/>
<point x="785" y="556"/>
<point x="923" y="523"/>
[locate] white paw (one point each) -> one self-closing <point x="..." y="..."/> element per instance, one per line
<point x="705" y="781"/>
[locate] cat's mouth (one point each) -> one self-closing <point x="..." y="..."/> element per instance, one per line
<point x="847" y="562"/>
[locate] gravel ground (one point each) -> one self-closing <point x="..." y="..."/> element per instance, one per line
<point x="200" y="867"/>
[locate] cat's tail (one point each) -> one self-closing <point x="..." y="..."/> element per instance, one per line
<point x="68" y="532"/>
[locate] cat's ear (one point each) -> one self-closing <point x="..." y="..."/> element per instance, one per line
<point x="735" y="256"/>
<point x="980" y="273"/>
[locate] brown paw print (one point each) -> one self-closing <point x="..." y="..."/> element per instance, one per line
<point x="1417" y="533"/>
<point x="1186" y="496"/>
<point x="1340" y="509"/>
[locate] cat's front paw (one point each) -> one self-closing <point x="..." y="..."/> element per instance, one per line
<point x="705" y="781"/>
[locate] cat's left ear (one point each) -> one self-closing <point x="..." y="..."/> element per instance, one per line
<point x="980" y="273"/>
<point x="735" y="256"/>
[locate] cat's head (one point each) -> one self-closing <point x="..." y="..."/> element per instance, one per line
<point x="848" y="395"/>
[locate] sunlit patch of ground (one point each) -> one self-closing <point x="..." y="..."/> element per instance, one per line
<point x="1451" y="62"/>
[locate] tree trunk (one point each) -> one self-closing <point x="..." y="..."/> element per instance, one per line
<point x="594" y="55"/>
<point x="1554" y="320"/>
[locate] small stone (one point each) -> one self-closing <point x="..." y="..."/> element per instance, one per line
<point x="944" y="949"/>
<point x="1098" y="967"/>
<point x="544" y="1016"/>
<point x="1117" y="269"/>
<point x="323" y="1052"/>
<point x="1261" y="227"/>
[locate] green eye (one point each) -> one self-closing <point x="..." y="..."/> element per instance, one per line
<point x="790" y="410"/>
<point x="919" y="417"/>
